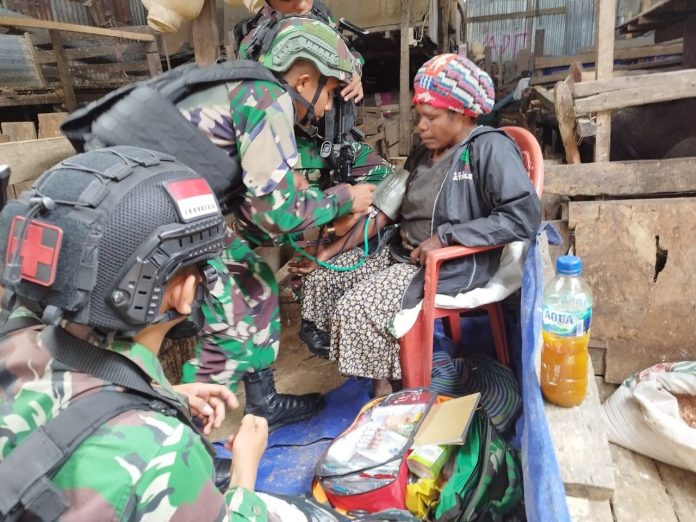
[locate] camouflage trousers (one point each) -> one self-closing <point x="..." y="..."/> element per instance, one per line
<point x="242" y="322"/>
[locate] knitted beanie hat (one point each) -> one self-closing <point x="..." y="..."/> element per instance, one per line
<point x="450" y="81"/>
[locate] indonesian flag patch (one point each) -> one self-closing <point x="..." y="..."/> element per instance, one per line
<point x="194" y="199"/>
<point x="40" y="250"/>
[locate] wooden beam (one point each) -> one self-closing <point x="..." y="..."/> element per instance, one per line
<point x="565" y="113"/>
<point x="518" y="14"/>
<point x="444" y="25"/>
<point x="584" y="89"/>
<point x="630" y="53"/>
<point x="12" y="21"/>
<point x="63" y="71"/>
<point x="29" y="159"/>
<point x="604" y="66"/>
<point x="636" y="96"/>
<point x="205" y="35"/>
<point x="622" y="178"/>
<point x="15" y="99"/>
<point x="405" y="82"/>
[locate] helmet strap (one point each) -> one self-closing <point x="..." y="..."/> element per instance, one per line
<point x="309" y="117"/>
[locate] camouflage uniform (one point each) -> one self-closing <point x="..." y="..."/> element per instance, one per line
<point x="140" y="465"/>
<point x="255" y="118"/>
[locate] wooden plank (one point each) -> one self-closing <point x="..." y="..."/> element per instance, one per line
<point x="636" y="96"/>
<point x="634" y="53"/>
<point x="205" y="35"/>
<point x="15" y="99"/>
<point x="12" y="21"/>
<point x="604" y="66"/>
<point x="639" y="264"/>
<point x="563" y="103"/>
<point x="622" y="178"/>
<point x="531" y="13"/>
<point x="49" y="124"/>
<point x="585" y="510"/>
<point x="19" y="130"/>
<point x="122" y="51"/>
<point x="681" y="488"/>
<point x="581" y="446"/>
<point x="404" y="82"/>
<point x="640" y="494"/>
<point x="29" y="159"/>
<point x="63" y="71"/>
<point x="590" y="88"/>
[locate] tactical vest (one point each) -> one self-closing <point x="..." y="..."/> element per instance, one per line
<point x="144" y="114"/>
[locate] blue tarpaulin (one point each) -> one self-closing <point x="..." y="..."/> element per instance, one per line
<point x="293" y="451"/>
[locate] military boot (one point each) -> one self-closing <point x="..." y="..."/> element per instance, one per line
<point x="278" y="409"/>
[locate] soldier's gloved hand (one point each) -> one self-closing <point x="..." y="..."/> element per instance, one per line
<point x="354" y="90"/>
<point x="361" y="195"/>
<point x="247" y="447"/>
<point x="208" y="402"/>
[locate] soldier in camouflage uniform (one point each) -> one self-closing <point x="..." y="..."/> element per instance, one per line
<point x="143" y="464"/>
<point x="256" y="119"/>
<point x="367" y="166"/>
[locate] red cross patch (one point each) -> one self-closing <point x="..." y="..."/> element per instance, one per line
<point x="40" y="249"/>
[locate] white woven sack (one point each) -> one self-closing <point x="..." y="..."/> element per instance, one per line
<point x="643" y="415"/>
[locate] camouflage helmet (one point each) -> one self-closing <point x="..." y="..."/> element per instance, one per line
<point x="302" y="37"/>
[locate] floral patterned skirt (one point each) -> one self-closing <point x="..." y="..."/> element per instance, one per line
<point x="356" y="309"/>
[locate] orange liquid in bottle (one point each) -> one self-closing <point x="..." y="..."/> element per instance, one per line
<point x="564" y="369"/>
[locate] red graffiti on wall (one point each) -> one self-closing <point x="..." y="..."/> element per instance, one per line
<point x="505" y="42"/>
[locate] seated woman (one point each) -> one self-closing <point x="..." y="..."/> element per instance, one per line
<point x="467" y="186"/>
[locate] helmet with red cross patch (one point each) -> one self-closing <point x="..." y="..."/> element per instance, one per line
<point x="98" y="236"/>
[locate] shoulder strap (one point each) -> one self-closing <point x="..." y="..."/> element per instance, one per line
<point x="112" y="367"/>
<point x="25" y="475"/>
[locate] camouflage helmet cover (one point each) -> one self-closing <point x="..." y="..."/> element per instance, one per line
<point x="301" y="37"/>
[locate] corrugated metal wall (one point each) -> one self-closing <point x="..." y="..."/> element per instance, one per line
<point x="16" y="64"/>
<point x="94" y="12"/>
<point x="566" y="31"/>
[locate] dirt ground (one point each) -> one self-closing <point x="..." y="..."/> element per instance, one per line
<point x="296" y="370"/>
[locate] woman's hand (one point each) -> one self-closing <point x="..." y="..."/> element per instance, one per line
<point x="420" y="253"/>
<point x="208" y="402"/>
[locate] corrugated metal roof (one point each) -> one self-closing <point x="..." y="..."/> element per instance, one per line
<point x="71" y="12"/>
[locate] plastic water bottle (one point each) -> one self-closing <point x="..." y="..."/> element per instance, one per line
<point x="567" y="315"/>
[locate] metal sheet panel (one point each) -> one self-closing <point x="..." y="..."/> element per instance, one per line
<point x="16" y="63"/>
<point x="71" y="12"/>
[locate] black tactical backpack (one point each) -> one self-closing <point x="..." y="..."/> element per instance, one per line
<point x="144" y="114"/>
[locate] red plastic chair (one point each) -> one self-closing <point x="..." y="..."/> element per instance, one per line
<point x="417" y="345"/>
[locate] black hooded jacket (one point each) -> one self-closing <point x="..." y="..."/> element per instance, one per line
<point x="486" y="198"/>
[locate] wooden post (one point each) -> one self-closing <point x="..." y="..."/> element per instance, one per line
<point x="689" y="54"/>
<point x="63" y="71"/>
<point x="205" y="34"/>
<point x="444" y="25"/>
<point x="606" y="21"/>
<point x="154" y="63"/>
<point x="404" y="82"/>
<point x="539" y="42"/>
